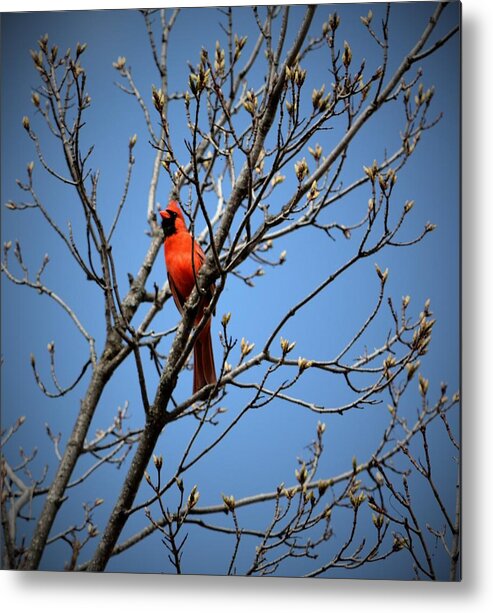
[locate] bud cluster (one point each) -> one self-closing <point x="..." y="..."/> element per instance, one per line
<point x="167" y="161"/>
<point x="423" y="385"/>
<point x="225" y="319"/>
<point x="301" y="169"/>
<point x="323" y="486"/>
<point x="198" y="82"/>
<point x="357" y="499"/>
<point x="411" y="368"/>
<point x="291" y="108"/>
<point x="364" y="88"/>
<point x="424" y="96"/>
<point x="289" y="493"/>
<point x="230" y="502"/>
<point x="408" y="206"/>
<point x="316" y="153"/>
<point x="277" y="179"/>
<point x="314" y="192"/>
<point x="43" y="43"/>
<point x="347" y="55"/>
<point x="388" y="363"/>
<point x="158" y="99"/>
<point x="334" y="21"/>
<point x="37" y="57"/>
<point x="77" y="69"/>
<point x="286" y="346"/>
<point x="367" y="20"/>
<point x="193" y="498"/>
<point x="120" y="63"/>
<point x="158" y="462"/>
<point x="81" y="47"/>
<point x="92" y="530"/>
<point x="371" y="171"/>
<point x="320" y="103"/>
<point x="303" y="364"/>
<point x="377" y="521"/>
<point x="399" y="542"/>
<point x="219" y="59"/>
<point x="239" y="44"/>
<point x="246" y="347"/>
<point x="296" y="75"/>
<point x="422" y="335"/>
<point x="250" y="103"/>
<point x="301" y="474"/>
<point x="386" y="180"/>
<point x="309" y="498"/>
<point x="382" y="275"/>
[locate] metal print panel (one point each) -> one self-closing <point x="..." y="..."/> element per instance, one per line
<point x="230" y="291"/>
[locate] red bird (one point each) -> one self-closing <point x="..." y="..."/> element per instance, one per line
<point x="178" y="248"/>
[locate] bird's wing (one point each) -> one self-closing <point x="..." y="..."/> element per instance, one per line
<point x="177" y="297"/>
<point x="199" y="253"/>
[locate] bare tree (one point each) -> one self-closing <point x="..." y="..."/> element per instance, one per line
<point x="240" y="164"/>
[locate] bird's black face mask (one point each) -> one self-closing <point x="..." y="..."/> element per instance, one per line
<point x="168" y="223"/>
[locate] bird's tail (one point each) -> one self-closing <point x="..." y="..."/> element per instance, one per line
<point x="204" y="371"/>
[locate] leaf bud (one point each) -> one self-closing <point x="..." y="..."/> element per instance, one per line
<point x="286" y="346"/>
<point x="423" y="385"/>
<point x="301" y="474"/>
<point x="347" y="55"/>
<point x="225" y="319"/>
<point x="411" y="368"/>
<point x="230" y="502"/>
<point x="120" y="62"/>
<point x="334" y="21"/>
<point x="246" y="347"/>
<point x="322" y="487"/>
<point x="314" y="192"/>
<point x="303" y="364"/>
<point x="81" y="47"/>
<point x="316" y="153"/>
<point x="158" y="461"/>
<point x="277" y="179"/>
<point x="382" y="275"/>
<point x="193" y="498"/>
<point x="301" y="169"/>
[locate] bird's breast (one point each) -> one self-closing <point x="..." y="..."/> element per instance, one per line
<point x="178" y="259"/>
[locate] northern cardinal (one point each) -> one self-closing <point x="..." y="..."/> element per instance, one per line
<point x="178" y="248"/>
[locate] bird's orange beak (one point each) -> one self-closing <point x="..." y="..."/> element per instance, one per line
<point x="164" y="214"/>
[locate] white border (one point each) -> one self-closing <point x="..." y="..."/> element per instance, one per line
<point x="33" y="591"/>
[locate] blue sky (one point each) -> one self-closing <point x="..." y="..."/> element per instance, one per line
<point x="263" y="451"/>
